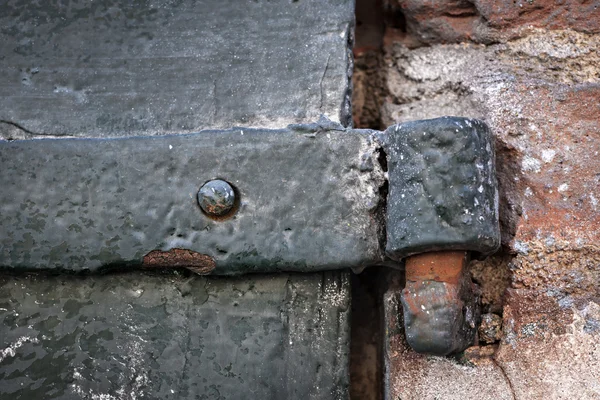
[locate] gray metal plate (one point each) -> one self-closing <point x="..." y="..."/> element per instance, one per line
<point x="107" y="69"/>
<point x="308" y="200"/>
<point x="134" y="336"/>
<point x="151" y="67"/>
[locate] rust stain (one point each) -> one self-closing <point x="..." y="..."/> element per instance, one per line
<point x="440" y="266"/>
<point x="421" y="301"/>
<point x="180" y="258"/>
<point x="422" y="270"/>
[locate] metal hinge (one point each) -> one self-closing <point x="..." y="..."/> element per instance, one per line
<point x="305" y="198"/>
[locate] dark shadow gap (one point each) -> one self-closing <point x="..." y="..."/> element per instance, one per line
<point x="366" y="343"/>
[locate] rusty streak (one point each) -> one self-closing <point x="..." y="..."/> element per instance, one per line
<point x="180" y="258"/>
<point x="441" y="266"/>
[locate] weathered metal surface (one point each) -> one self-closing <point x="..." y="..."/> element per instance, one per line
<point x="108" y="69"/>
<point x="443" y="193"/>
<point x="216" y="198"/>
<point x="440" y="266"/>
<point x="180" y="258"/>
<point x="119" y="68"/>
<point x="441" y="311"/>
<point x="308" y="200"/>
<point x="134" y="336"/>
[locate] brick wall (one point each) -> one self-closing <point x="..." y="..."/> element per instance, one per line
<point x="531" y="70"/>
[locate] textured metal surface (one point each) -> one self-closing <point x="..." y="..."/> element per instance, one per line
<point x="443" y="193"/>
<point x="134" y="336"/>
<point x="111" y="68"/>
<point x="151" y="67"/>
<point x="308" y="199"/>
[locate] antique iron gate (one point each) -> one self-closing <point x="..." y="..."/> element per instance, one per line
<point x="183" y="134"/>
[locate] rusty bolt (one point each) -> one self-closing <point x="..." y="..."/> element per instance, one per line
<point x="216" y="198"/>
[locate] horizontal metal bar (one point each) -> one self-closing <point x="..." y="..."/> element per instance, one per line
<point x="308" y="200"/>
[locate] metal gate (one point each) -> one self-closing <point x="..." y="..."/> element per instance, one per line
<point x="182" y="197"/>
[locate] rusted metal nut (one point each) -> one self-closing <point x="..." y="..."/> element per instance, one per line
<point x="216" y="198"/>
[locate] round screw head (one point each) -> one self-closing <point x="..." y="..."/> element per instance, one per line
<point x="216" y="198"/>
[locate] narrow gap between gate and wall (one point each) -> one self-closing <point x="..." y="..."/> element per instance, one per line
<point x="366" y="339"/>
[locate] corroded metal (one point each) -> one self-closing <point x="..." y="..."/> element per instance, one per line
<point x="314" y="203"/>
<point x="216" y="198"/>
<point x="441" y="266"/>
<point x="440" y="308"/>
<point x="116" y="68"/>
<point x="305" y="198"/>
<point x="310" y="197"/>
<point x="443" y="196"/>
<point x="309" y="200"/>
<point x="180" y="258"/>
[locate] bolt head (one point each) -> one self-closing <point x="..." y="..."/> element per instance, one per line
<point x="216" y="197"/>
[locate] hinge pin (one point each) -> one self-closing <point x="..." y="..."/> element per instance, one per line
<point x="440" y="307"/>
